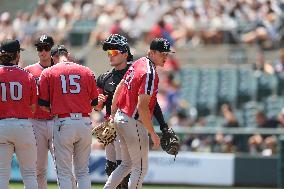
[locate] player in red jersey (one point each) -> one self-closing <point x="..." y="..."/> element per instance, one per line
<point x="17" y="104"/>
<point x="133" y="105"/>
<point x="42" y="122"/>
<point x="69" y="91"/>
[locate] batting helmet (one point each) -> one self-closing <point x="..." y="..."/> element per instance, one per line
<point x="117" y="42"/>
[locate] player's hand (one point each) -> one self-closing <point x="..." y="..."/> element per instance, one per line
<point x="102" y="98"/>
<point x="156" y="140"/>
<point x="111" y="119"/>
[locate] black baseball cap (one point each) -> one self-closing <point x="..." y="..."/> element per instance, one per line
<point x="58" y="49"/>
<point x="10" y="46"/>
<point x="44" y="40"/>
<point x="161" y="45"/>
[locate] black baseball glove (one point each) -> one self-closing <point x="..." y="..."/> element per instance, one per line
<point x="170" y="142"/>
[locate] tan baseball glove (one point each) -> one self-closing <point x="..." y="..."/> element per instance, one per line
<point x="105" y="132"/>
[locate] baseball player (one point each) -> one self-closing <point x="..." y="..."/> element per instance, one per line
<point x="68" y="90"/>
<point x="120" y="58"/>
<point x="133" y="104"/>
<point x="17" y="104"/>
<point x="42" y="122"/>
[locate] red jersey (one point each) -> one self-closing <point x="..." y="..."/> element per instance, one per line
<point x="141" y="78"/>
<point x="68" y="88"/>
<point x="17" y="92"/>
<point x="36" y="70"/>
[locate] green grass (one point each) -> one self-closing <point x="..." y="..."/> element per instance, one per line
<point x="54" y="186"/>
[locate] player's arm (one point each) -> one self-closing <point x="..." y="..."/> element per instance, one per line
<point x="145" y="92"/>
<point x="43" y="99"/>
<point x="33" y="97"/>
<point x="115" y="96"/>
<point x="101" y="100"/>
<point x="93" y="89"/>
<point x="145" y="117"/>
<point x="160" y="118"/>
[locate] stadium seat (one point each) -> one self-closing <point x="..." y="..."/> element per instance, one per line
<point x="80" y="32"/>
<point x="228" y="86"/>
<point x="249" y="112"/>
<point x="273" y="105"/>
<point x="208" y="92"/>
<point x="267" y="85"/>
<point x="247" y="89"/>
<point x="280" y="77"/>
<point x="190" y="85"/>
<point x="213" y="121"/>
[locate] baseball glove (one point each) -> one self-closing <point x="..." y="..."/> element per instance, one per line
<point x="105" y="132"/>
<point x="170" y="142"/>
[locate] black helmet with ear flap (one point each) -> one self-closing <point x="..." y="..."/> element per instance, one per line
<point x="117" y="42"/>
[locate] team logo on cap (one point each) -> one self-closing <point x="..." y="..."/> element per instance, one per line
<point x="42" y="38"/>
<point x="166" y="44"/>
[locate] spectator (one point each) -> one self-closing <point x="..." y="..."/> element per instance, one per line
<point x="226" y="142"/>
<point x="256" y="142"/>
<point x="261" y="65"/>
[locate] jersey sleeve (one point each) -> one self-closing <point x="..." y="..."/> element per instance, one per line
<point x="100" y="81"/>
<point x="44" y="88"/>
<point x="147" y="83"/>
<point x="94" y="91"/>
<point x="100" y="84"/>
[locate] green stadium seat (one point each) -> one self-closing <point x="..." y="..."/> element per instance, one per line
<point x="249" y="112"/>
<point x="80" y="32"/>
<point x="247" y="88"/>
<point x="190" y="85"/>
<point x="213" y="121"/>
<point x="267" y="85"/>
<point x="280" y="77"/>
<point x="228" y="86"/>
<point x="207" y="92"/>
<point x="273" y="105"/>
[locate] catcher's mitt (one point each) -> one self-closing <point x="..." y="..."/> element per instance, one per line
<point x="105" y="132"/>
<point x="170" y="142"/>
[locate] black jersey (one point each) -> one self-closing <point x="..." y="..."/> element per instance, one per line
<point x="108" y="82"/>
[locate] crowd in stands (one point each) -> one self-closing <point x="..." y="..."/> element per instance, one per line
<point x="182" y="22"/>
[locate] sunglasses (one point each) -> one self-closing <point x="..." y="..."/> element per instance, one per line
<point x="41" y="48"/>
<point x="163" y="53"/>
<point x="113" y="52"/>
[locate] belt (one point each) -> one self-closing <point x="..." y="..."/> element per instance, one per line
<point x="12" y="118"/>
<point x="69" y="115"/>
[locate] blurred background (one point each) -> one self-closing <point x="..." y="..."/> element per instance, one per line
<point x="222" y="91"/>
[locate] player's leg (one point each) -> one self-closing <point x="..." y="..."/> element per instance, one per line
<point x="110" y="158"/>
<point x="26" y="152"/>
<point x="41" y="135"/>
<point x="124" y="182"/>
<point x="50" y="125"/>
<point x="124" y="168"/>
<point x="82" y="151"/>
<point x="6" y="153"/>
<point x="137" y="141"/>
<point x="63" y="139"/>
